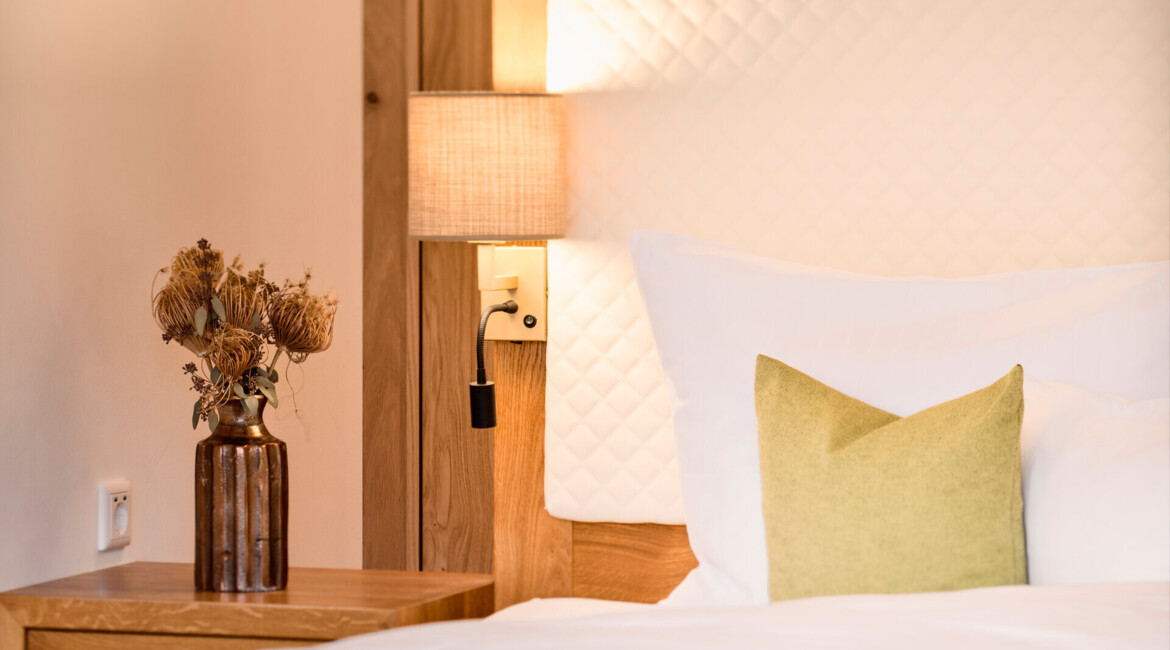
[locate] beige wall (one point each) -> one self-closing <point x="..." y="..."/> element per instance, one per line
<point x="130" y="128"/>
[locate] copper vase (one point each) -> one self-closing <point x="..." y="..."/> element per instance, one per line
<point x="241" y="504"/>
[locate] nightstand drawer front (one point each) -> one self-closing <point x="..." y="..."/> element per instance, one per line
<point x="64" y="640"/>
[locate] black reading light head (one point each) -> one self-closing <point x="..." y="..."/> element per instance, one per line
<point x="483" y="392"/>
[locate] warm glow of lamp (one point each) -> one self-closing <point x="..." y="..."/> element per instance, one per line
<point x="486" y="166"/>
<point x="491" y="167"/>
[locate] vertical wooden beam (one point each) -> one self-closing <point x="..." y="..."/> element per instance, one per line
<point x="456" y="44"/>
<point x="390" y="278"/>
<point x="533" y="550"/>
<point x="456" y="459"/>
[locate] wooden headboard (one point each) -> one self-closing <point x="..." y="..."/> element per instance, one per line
<point x="441" y="496"/>
<point x="437" y="494"/>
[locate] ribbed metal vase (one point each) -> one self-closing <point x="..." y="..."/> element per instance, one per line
<point x="241" y="505"/>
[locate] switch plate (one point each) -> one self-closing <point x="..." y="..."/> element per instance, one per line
<point x="529" y="265"/>
<point x="114" y="520"/>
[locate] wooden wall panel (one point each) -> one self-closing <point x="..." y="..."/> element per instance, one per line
<point x="390" y="298"/>
<point x="456" y="44"/>
<point x="440" y="495"/>
<point x="456" y="459"/>
<point x="634" y="562"/>
<point x="533" y="549"/>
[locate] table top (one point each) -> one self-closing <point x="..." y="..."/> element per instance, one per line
<point x="173" y="582"/>
<point x="319" y="604"/>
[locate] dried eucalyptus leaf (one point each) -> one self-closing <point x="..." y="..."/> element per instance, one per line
<point x="263" y="381"/>
<point x="217" y="305"/>
<point x="213" y="421"/>
<point x="195" y="415"/>
<point x="238" y="389"/>
<point x="270" y="393"/>
<point x="256" y="321"/>
<point x="200" y="320"/>
<point x="215" y="375"/>
<point x="273" y="375"/>
<point x="251" y="404"/>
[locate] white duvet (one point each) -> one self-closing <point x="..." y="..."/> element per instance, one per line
<point x="1072" y="617"/>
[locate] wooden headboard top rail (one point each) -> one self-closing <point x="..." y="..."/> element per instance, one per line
<point x="633" y="562"/>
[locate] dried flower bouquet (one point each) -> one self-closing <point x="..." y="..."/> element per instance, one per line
<point x="231" y="320"/>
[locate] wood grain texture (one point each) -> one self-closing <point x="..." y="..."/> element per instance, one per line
<point x="633" y="562"/>
<point x="11" y="630"/>
<point x="533" y="549"/>
<point x="471" y="484"/>
<point x="390" y="280"/>
<point x="455" y="52"/>
<point x="519" y="44"/>
<point x="319" y="604"/>
<point x="56" y="640"/>
<point x="456" y="44"/>
<point x="456" y="459"/>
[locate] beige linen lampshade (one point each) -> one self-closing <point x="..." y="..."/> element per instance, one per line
<point x="486" y="166"/>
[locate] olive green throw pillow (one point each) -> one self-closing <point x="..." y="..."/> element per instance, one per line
<point x="857" y="500"/>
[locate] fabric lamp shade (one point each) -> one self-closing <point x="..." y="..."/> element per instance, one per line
<point x="486" y="166"/>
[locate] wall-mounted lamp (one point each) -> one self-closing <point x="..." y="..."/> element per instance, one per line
<point x="490" y="167"/>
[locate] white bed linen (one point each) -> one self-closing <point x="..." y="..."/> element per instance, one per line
<point x="900" y="344"/>
<point x="1073" y="617"/>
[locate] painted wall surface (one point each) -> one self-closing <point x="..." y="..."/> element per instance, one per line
<point x="128" y="129"/>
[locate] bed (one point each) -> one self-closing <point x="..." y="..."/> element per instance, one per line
<point x="1121" y="616"/>
<point x="1092" y="468"/>
<point x="903" y="203"/>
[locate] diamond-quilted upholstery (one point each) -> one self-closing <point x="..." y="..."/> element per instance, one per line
<point x="899" y="138"/>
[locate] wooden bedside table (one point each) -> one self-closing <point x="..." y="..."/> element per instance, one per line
<point x="155" y="605"/>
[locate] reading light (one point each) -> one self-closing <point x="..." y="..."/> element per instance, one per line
<point x="490" y="167"/>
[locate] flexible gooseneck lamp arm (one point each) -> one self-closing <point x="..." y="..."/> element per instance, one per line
<point x="483" y="392"/>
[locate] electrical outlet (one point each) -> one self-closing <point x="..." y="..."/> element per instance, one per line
<point x="113" y="515"/>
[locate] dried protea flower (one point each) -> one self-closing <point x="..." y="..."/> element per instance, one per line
<point x="201" y="261"/>
<point x="302" y="323"/>
<point x="243" y="301"/>
<point x="174" y="311"/>
<point x="234" y="351"/>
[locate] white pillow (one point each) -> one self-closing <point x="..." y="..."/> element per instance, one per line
<point x="1096" y="472"/>
<point x="712" y="310"/>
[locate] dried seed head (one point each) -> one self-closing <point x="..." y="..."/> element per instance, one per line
<point x="242" y="301"/>
<point x="174" y="312"/>
<point x="198" y="260"/>
<point x="302" y="323"/>
<point x="234" y="351"/>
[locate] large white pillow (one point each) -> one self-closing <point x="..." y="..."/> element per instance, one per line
<point x="1096" y="474"/>
<point x="713" y="309"/>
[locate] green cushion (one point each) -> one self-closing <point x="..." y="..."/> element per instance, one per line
<point x="857" y="500"/>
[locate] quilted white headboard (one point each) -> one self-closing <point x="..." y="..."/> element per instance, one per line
<point x="909" y="137"/>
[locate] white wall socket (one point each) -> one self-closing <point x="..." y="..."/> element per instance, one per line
<point x="113" y="515"/>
